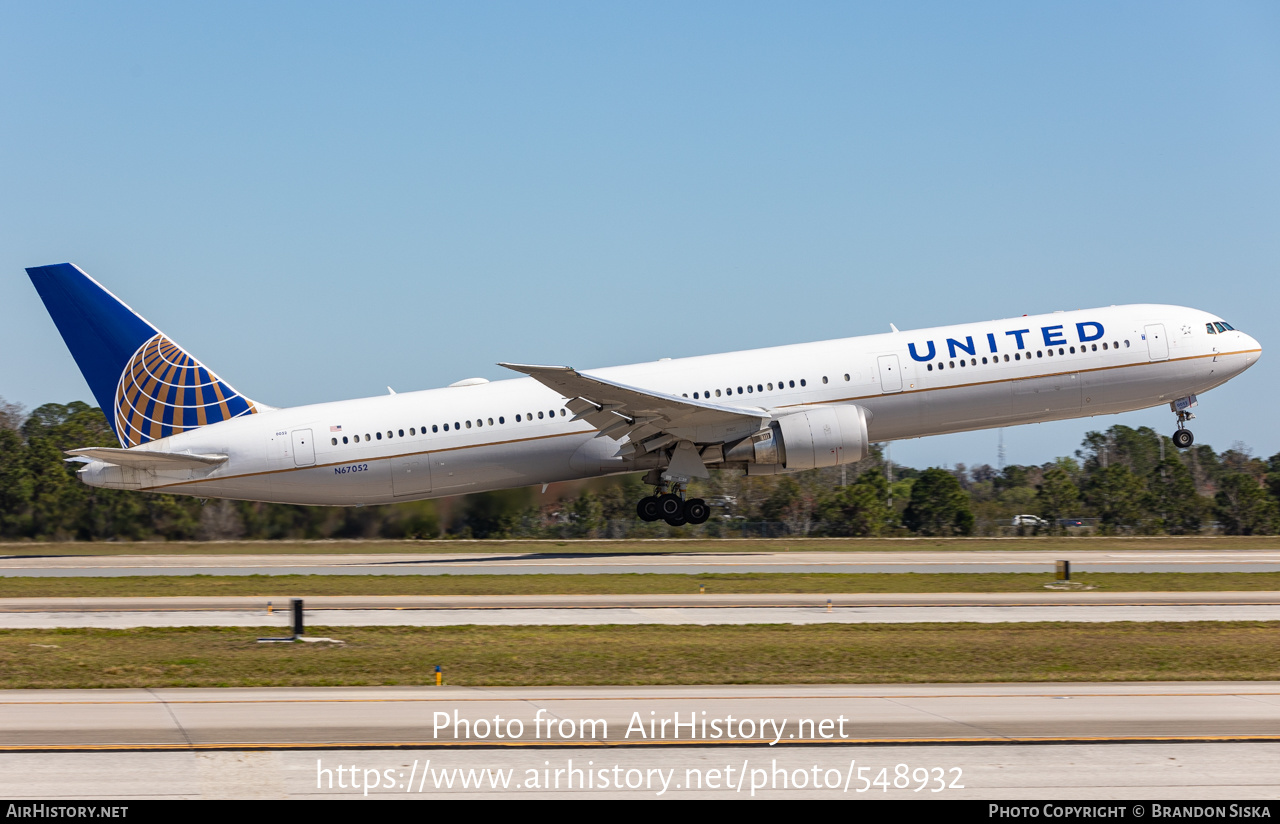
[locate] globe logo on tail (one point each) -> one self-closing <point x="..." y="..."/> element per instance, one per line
<point x="164" y="391"/>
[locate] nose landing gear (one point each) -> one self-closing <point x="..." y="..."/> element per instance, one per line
<point x="1183" y="438"/>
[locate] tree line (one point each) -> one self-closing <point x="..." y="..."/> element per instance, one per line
<point x="1120" y="481"/>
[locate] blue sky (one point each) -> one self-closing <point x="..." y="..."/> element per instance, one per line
<point x="320" y="200"/>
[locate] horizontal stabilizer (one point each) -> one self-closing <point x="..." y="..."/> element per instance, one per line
<point x="144" y="459"/>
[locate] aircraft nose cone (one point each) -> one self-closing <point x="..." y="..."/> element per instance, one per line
<point x="1250" y="350"/>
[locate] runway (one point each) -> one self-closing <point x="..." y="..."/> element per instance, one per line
<point x="1070" y="773"/>
<point x="1073" y="741"/>
<point x="287" y="718"/>
<point x="657" y="562"/>
<point x="562" y="610"/>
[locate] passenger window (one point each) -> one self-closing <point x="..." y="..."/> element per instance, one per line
<point x="759" y="388"/>
<point x="435" y="429"/>
<point x="501" y="419"/>
<point x="717" y="393"/>
<point x="562" y="413"/>
<point x="739" y="390"/>
<point x="846" y="376"/>
<point x="695" y="396"/>
<point x="479" y="422"/>
<point x="962" y="363"/>
<point x="1126" y="344"/>
<point x="379" y="436"/>
<point x="824" y="379"/>
<point x="457" y="425"/>
<point x="344" y="438"/>
<point x="539" y="416"/>
<point x="1006" y="358"/>
<point x="931" y="367"/>
<point x="468" y="424"/>
<point x="1039" y="353"/>
<point x="446" y="427"/>
<point x="984" y="361"/>
<point x="1017" y="356"/>
<point x="401" y="432"/>
<point x="749" y="388"/>
<point x="411" y="431"/>
<point x="1104" y="346"/>
<point x="491" y="421"/>
<point x="1073" y="350"/>
<point x="1095" y="347"/>
<point x="792" y="384"/>
<point x="802" y="383"/>
<point x="333" y="441"/>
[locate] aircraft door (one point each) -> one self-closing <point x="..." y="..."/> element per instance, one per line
<point x="304" y="451"/>
<point x="411" y="475"/>
<point x="890" y="373"/>
<point x="1157" y="344"/>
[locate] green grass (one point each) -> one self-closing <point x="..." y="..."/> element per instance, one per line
<point x="500" y="656"/>
<point x="625" y="584"/>
<point x="652" y="546"/>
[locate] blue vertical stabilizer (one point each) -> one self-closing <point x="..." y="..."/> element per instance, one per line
<point x="147" y="385"/>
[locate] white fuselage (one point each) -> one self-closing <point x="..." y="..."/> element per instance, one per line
<point x="517" y="432"/>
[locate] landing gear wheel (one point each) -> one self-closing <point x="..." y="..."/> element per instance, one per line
<point x="1183" y="438"/>
<point x="670" y="506"/>
<point x="696" y="511"/>
<point x="676" y="520"/>
<point x="647" y="509"/>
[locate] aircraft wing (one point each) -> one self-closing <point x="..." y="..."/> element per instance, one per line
<point x="649" y="420"/>
<point x="145" y="459"/>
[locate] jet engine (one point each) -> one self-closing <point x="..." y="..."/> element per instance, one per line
<point x="812" y="438"/>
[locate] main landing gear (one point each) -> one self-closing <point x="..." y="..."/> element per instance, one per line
<point x="1182" y="438"/>
<point x="670" y="505"/>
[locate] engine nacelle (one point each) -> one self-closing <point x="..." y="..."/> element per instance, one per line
<point x="807" y="439"/>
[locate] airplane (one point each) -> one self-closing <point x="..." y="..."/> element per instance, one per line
<point x="182" y="429"/>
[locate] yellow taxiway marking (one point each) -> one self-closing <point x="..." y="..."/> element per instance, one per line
<point x="542" y="744"/>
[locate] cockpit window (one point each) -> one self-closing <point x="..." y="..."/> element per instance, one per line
<point x="1208" y="327"/>
<point x="1222" y="327"/>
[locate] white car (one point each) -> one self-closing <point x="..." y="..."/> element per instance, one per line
<point x="1029" y="520"/>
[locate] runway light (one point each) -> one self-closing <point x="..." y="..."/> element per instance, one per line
<point x="702" y="589"/>
<point x="439" y="676"/>
<point x="828" y="605"/>
<point x="1064" y="570"/>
